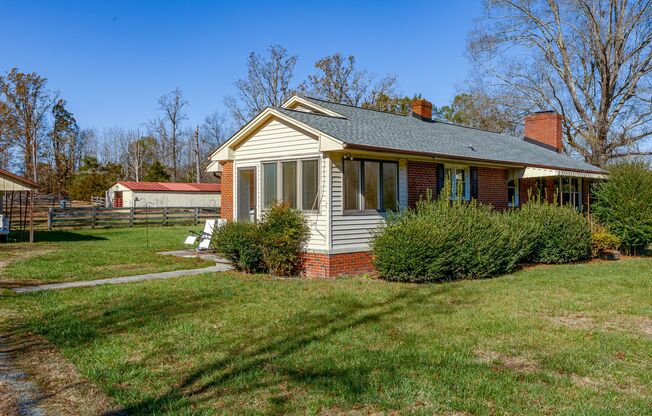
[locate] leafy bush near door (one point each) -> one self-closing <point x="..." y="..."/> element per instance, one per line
<point x="241" y="244"/>
<point x="285" y="234"/>
<point x="274" y="245"/>
<point x="623" y="203"/>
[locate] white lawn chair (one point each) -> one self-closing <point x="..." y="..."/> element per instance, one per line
<point x="205" y="236"/>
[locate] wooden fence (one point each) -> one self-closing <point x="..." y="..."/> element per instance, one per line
<point x="127" y="217"/>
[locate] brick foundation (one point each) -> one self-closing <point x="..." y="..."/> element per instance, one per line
<point x="318" y="265"/>
<point x="226" y="209"/>
<point x="422" y="176"/>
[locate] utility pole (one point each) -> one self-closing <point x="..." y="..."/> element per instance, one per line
<point x="197" y="155"/>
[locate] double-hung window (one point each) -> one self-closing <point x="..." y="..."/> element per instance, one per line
<point x="370" y="185"/>
<point x="570" y="191"/>
<point x="293" y="182"/>
<point x="512" y="189"/>
<point x="458" y="180"/>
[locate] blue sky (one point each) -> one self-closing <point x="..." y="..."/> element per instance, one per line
<point x="111" y="60"/>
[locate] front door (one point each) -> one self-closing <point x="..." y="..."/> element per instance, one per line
<point x="246" y="194"/>
<point x="117" y="199"/>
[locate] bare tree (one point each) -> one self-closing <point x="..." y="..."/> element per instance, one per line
<point x="589" y="60"/>
<point x="215" y="130"/>
<point x="86" y="146"/>
<point x="474" y="108"/>
<point x="268" y="84"/>
<point x="139" y="152"/>
<point x="340" y="81"/>
<point x="26" y="103"/>
<point x="172" y="105"/>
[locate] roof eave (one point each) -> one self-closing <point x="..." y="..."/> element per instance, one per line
<point x="464" y="158"/>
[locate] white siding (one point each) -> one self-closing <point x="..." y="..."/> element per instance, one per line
<point x="175" y="199"/>
<point x="352" y="232"/>
<point x="164" y="199"/>
<point x="277" y="141"/>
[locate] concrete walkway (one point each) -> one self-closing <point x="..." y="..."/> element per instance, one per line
<point x="220" y="267"/>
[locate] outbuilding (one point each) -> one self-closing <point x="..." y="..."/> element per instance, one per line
<point x="11" y="188"/>
<point x="163" y="194"/>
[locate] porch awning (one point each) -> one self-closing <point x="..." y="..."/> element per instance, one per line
<point x="546" y="173"/>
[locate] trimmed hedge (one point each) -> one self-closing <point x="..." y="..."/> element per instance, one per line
<point x="274" y="245"/>
<point x="559" y="234"/>
<point x="443" y="239"/>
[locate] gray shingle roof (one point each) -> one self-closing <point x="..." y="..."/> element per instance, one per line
<point x="363" y="127"/>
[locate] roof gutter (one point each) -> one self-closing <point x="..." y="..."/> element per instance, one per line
<point x="453" y="157"/>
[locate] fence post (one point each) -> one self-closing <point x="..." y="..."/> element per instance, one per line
<point x="50" y="212"/>
<point x="165" y="216"/>
<point x="93" y="214"/>
<point x="196" y="215"/>
<point x="131" y="216"/>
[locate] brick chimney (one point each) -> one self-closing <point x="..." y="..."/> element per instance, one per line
<point x="544" y="128"/>
<point x="422" y="109"/>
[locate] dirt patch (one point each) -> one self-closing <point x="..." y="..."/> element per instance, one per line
<point x="60" y="389"/>
<point x="12" y="254"/>
<point x="502" y="361"/>
<point x="639" y="325"/>
<point x="631" y="387"/>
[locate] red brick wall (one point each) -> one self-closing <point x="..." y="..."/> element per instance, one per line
<point x="227" y="191"/>
<point x="421" y="177"/>
<point x="526" y="188"/>
<point x="544" y="128"/>
<point x="317" y="265"/>
<point x="492" y="187"/>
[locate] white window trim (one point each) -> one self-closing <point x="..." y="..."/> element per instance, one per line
<point x="513" y="175"/>
<point x="299" y="181"/>
<point x="467" y="180"/>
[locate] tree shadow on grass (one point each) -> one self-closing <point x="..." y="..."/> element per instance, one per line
<point x="265" y="365"/>
<point x="262" y="365"/>
<point x="63" y="236"/>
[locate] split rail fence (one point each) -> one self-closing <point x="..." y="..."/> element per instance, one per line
<point x="99" y="217"/>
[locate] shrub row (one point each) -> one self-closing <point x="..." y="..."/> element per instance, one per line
<point x="273" y="245"/>
<point x="453" y="240"/>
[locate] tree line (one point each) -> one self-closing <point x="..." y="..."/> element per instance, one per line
<point x="591" y="61"/>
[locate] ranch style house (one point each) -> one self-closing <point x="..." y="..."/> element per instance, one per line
<point x="346" y="167"/>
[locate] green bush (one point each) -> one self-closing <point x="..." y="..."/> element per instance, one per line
<point x="603" y="241"/>
<point x="274" y="245"/>
<point x="447" y="240"/>
<point x="285" y="234"/>
<point x="241" y="244"/>
<point x="558" y="234"/>
<point x="623" y="203"/>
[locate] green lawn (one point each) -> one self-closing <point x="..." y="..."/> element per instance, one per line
<point x="572" y="339"/>
<point x="60" y="256"/>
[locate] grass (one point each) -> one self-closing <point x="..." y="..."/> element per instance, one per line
<point x="571" y="339"/>
<point x="61" y="256"/>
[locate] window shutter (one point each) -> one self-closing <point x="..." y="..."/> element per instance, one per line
<point x="474" y="182"/>
<point x="440" y="178"/>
